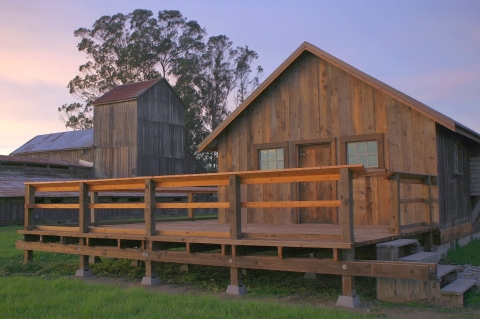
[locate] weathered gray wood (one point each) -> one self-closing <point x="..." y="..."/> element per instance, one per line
<point x="458" y="287"/>
<point x="475" y="211"/>
<point x="424" y="257"/>
<point x="443" y="270"/>
<point x="398" y="243"/>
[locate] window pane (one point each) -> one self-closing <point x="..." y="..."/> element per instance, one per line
<point x="264" y="155"/>
<point x="279" y="154"/>
<point x="272" y="155"/>
<point x="351" y="148"/>
<point x="272" y="165"/>
<point x="280" y="165"/>
<point x="362" y="159"/>
<point x="263" y="165"/>
<point x="372" y="147"/>
<point x="352" y="159"/>
<point x="362" y="147"/>
<point x="372" y="160"/>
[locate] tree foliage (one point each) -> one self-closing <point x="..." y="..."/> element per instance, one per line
<point x="206" y="72"/>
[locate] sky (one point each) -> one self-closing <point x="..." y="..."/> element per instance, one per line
<point x="429" y="49"/>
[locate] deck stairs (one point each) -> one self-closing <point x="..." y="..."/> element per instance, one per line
<point x="447" y="289"/>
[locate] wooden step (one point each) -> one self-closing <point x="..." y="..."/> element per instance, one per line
<point x="424" y="257"/>
<point x="398" y="243"/>
<point x="458" y="287"/>
<point x="443" y="270"/>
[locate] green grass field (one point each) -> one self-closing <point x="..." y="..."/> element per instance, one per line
<point x="46" y="289"/>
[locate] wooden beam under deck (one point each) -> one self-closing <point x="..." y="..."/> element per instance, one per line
<point x="415" y="271"/>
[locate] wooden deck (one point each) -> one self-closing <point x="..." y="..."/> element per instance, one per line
<point x="321" y="234"/>
<point x="235" y="245"/>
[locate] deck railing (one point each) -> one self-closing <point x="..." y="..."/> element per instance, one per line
<point x="398" y="178"/>
<point x="197" y="184"/>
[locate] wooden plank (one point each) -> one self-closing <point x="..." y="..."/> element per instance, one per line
<point x="416" y="271"/>
<point x="395" y="222"/>
<point x="294" y="236"/>
<point x="117" y="206"/>
<point x="83" y="210"/>
<point x="189" y="233"/>
<point x="345" y="211"/>
<point x="149" y="210"/>
<point x="235" y="209"/>
<point x="57" y="228"/>
<point x="93" y="201"/>
<point x="29" y="200"/>
<point x="283" y="204"/>
<point x="194" y="205"/>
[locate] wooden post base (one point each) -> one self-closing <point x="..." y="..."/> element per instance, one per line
<point x="236" y="290"/>
<point x="184" y="268"/>
<point x="84" y="273"/>
<point x="150" y="281"/>
<point x="348" y="301"/>
<point x="27" y="256"/>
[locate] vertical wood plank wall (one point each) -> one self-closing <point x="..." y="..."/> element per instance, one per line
<point x="115" y="140"/>
<point x="160" y="132"/>
<point x="313" y="99"/>
<point x="454" y="182"/>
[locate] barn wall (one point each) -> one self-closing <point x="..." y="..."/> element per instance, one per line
<point x="160" y="132"/>
<point x="115" y="140"/>
<point x="313" y="99"/>
<point x="456" y="202"/>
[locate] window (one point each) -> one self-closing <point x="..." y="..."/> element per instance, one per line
<point x="271" y="155"/>
<point x="366" y="149"/>
<point x="272" y="159"/>
<point x="365" y="153"/>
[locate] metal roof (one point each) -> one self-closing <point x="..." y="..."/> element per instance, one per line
<point x="5" y="159"/>
<point x="126" y="91"/>
<point x="57" y="141"/>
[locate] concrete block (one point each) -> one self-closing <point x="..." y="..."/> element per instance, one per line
<point x="348" y="301"/>
<point x="150" y="281"/>
<point x="424" y="257"/>
<point x="311" y="275"/>
<point x="84" y="273"/>
<point x="236" y="290"/>
<point x="184" y="268"/>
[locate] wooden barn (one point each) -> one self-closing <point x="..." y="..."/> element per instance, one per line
<point x="322" y="170"/>
<point x="138" y="131"/>
<point x="316" y="110"/>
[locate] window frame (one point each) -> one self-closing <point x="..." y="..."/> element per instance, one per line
<point x="267" y="146"/>
<point x="380" y="170"/>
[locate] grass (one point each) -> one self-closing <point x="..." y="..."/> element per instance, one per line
<point x="63" y="298"/>
<point x="43" y="289"/>
<point x="469" y="254"/>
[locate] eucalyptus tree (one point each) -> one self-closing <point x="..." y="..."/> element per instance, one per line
<point x="205" y="71"/>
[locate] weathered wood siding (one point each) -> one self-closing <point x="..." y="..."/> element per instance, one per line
<point x="115" y="140"/>
<point x="455" y="196"/>
<point x="474" y="166"/>
<point x="313" y="99"/>
<point x="73" y="155"/>
<point x="160" y="132"/>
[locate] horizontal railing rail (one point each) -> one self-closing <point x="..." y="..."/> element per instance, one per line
<point x="88" y="191"/>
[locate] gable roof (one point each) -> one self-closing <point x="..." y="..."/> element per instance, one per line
<point x="57" y="141"/>
<point x="210" y="142"/>
<point x="126" y="92"/>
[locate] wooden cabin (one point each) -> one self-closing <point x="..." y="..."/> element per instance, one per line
<point x="138" y="131"/>
<point x="316" y="110"/>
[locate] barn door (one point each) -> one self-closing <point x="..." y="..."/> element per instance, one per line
<point x="313" y="156"/>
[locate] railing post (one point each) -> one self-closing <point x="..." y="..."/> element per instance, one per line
<point x="348" y="298"/>
<point x="395" y="222"/>
<point x="28" y="218"/>
<point x="150" y="229"/>
<point x="235" y="207"/>
<point x="345" y="214"/>
<point x="191" y="212"/>
<point x="83" y="209"/>
<point x="83" y="224"/>
<point x="428" y="209"/>
<point x="93" y="215"/>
